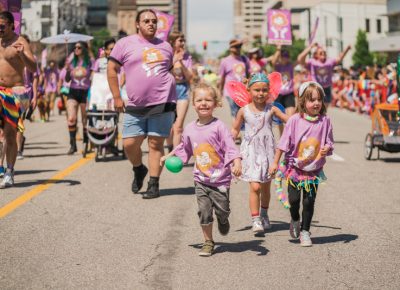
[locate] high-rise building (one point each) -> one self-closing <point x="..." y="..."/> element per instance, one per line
<point x="121" y="17"/>
<point x="72" y="14"/>
<point x="97" y="11"/>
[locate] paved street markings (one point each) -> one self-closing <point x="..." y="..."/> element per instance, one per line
<point x="11" y="206"/>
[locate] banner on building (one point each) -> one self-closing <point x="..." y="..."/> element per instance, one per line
<point x="279" y="27"/>
<point x="17" y="22"/>
<point x="14" y="5"/>
<point x="164" y="25"/>
<point x="3" y="5"/>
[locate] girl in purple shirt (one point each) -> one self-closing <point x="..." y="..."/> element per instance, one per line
<point x="51" y="77"/>
<point x="306" y="141"/>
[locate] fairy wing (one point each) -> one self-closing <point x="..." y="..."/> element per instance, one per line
<point x="275" y="84"/>
<point x="238" y="93"/>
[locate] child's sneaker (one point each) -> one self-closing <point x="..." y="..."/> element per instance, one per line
<point x="223" y="228"/>
<point x="266" y="223"/>
<point x="140" y="173"/>
<point x="2" y="171"/>
<point x="20" y="156"/>
<point x="8" y="179"/>
<point x="294" y="229"/>
<point x="207" y="249"/>
<point x="305" y="240"/>
<point x="257" y="226"/>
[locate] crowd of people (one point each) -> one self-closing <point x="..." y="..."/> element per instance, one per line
<point x="153" y="83"/>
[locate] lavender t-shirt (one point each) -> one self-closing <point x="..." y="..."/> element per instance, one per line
<point x="100" y="65"/>
<point x="287" y="77"/>
<point x="178" y="73"/>
<point x="302" y="141"/>
<point x="321" y="72"/>
<point x="233" y="69"/>
<point x="62" y="76"/>
<point x="213" y="149"/>
<point x="80" y="75"/>
<point x="147" y="67"/>
<point x="51" y="76"/>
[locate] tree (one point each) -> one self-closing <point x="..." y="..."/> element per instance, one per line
<point x="362" y="56"/>
<point x="99" y="37"/>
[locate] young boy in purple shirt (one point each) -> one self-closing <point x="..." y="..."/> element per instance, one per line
<point x="211" y="144"/>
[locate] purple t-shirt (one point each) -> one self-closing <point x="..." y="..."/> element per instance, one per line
<point x="62" y="76"/>
<point x="187" y="62"/>
<point x="233" y="69"/>
<point x="302" y="141"/>
<point x="147" y="67"/>
<point x="100" y="65"/>
<point x="51" y="77"/>
<point x="257" y="66"/>
<point x="286" y="70"/>
<point x="80" y="74"/>
<point x="213" y="149"/>
<point x="321" y="72"/>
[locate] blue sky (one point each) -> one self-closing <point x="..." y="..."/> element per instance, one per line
<point x="210" y="20"/>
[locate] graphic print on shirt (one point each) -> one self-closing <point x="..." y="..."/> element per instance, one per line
<point x="80" y="75"/>
<point x="207" y="161"/>
<point x="321" y="75"/>
<point x="285" y="80"/>
<point x="308" y="154"/>
<point x="239" y="71"/>
<point x="151" y="59"/>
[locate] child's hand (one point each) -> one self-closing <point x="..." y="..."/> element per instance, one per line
<point x="273" y="169"/>
<point x="162" y="160"/>
<point x="324" y="151"/>
<point x="237" y="167"/>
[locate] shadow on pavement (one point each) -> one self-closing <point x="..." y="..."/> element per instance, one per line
<point x="345" y="238"/>
<point x="342" y="142"/>
<point x="24" y="172"/>
<point x="278" y="226"/>
<point x="46" y="181"/>
<point x="240" y="247"/>
<point x="41" y="143"/>
<point x="177" y="191"/>
<point x="390" y="160"/>
<point x="45" y="155"/>
<point x="27" y="147"/>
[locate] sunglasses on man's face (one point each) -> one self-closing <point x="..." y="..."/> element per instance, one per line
<point x="3" y="26"/>
<point x="147" y="21"/>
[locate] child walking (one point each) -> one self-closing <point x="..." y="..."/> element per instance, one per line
<point x="306" y="141"/>
<point x="258" y="148"/>
<point x="211" y="144"/>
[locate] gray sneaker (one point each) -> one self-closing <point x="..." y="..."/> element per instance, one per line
<point x="257" y="226"/>
<point x="223" y="228"/>
<point x="305" y="240"/>
<point x="8" y="180"/>
<point x="207" y="249"/>
<point x="294" y="229"/>
<point x="266" y="223"/>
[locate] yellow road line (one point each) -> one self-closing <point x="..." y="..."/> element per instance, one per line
<point x="11" y="206"/>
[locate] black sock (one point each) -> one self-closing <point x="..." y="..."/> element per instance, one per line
<point x="154" y="179"/>
<point x="72" y="132"/>
<point x="138" y="168"/>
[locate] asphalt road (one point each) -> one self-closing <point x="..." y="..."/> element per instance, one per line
<point x="80" y="227"/>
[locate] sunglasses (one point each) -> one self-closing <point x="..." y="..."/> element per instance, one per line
<point x="78" y="47"/>
<point x="3" y="26"/>
<point x="147" y="21"/>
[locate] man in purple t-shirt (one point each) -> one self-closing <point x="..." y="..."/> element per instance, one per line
<point x="321" y="67"/>
<point x="150" y="86"/>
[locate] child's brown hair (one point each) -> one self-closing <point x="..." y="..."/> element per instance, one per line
<point x="212" y="91"/>
<point x="307" y="96"/>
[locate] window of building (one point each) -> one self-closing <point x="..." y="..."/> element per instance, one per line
<point x="46" y="11"/>
<point x="46" y="29"/>
<point x="340" y="24"/>
<point x="378" y="26"/>
<point x="367" y="24"/>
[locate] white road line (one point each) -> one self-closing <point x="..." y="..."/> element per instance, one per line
<point x="336" y="157"/>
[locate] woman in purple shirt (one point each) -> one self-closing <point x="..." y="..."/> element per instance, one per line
<point x="51" y="76"/>
<point x="78" y="68"/>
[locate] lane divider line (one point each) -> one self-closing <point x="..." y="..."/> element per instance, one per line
<point x="21" y="200"/>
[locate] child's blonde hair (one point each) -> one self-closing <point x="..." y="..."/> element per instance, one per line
<point x="211" y="90"/>
<point x="307" y="96"/>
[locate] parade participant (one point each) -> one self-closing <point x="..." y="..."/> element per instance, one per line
<point x="150" y="87"/>
<point x="15" y="55"/>
<point x="321" y="67"/>
<point x="216" y="157"/>
<point x="306" y="141"/>
<point x="258" y="148"/>
<point x="182" y="72"/>
<point x="63" y="90"/>
<point x="100" y="65"/>
<point x="31" y="85"/>
<point x="78" y="67"/>
<point x="51" y="77"/>
<point x="256" y="61"/>
<point x="234" y="67"/>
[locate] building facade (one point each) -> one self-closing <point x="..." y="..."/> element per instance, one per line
<point x="39" y="18"/>
<point x="72" y="14"/>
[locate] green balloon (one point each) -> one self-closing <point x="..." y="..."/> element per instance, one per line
<point x="174" y="164"/>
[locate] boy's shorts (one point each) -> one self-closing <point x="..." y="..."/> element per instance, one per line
<point x="182" y="92"/>
<point x="211" y="198"/>
<point x="158" y="125"/>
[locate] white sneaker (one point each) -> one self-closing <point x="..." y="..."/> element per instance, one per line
<point x="257" y="226"/>
<point x="20" y="156"/>
<point x="8" y="180"/>
<point x="305" y="240"/>
<point x="266" y="223"/>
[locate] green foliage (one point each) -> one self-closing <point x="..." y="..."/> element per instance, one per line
<point x="362" y="56"/>
<point x="99" y="37"/>
<point x="380" y="58"/>
<point x="197" y="57"/>
<point x="298" y="45"/>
